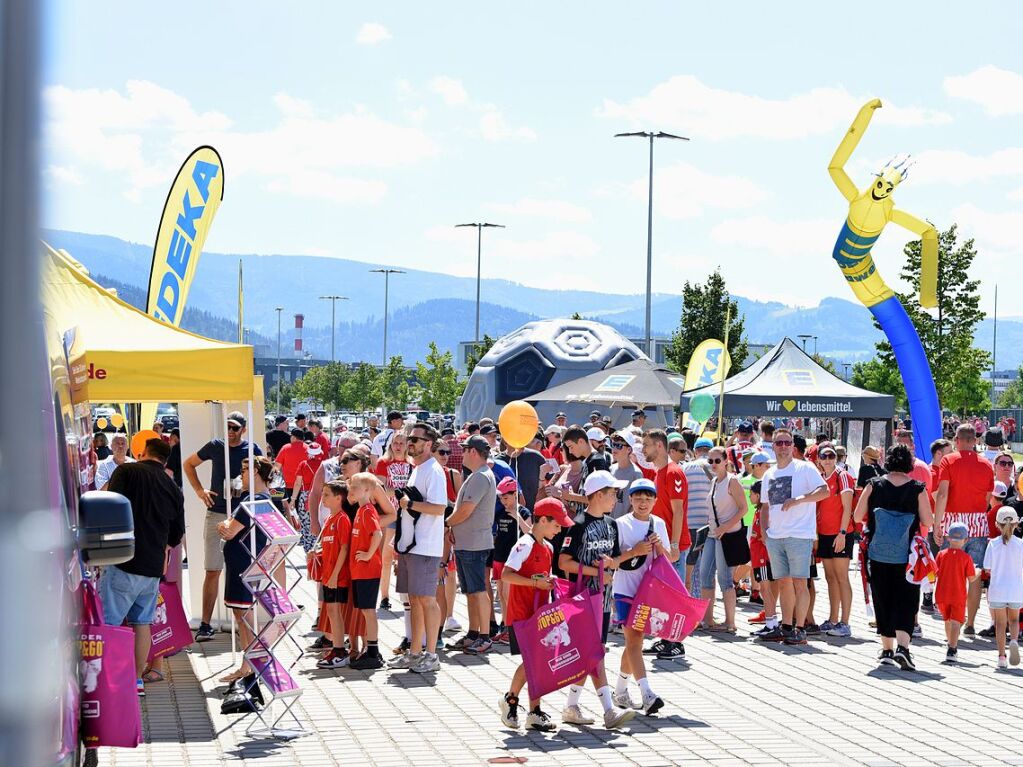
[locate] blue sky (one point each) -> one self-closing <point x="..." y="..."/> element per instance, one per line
<point x="368" y="131"/>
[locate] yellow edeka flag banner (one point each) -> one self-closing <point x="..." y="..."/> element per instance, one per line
<point x="709" y="364"/>
<point x="188" y="213"/>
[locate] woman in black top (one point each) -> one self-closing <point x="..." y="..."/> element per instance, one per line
<point x="870" y="468"/>
<point x="896" y="600"/>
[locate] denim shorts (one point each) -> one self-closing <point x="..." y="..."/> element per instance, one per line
<point x="1017" y="606"/>
<point x="127" y="597"/>
<point x="712" y="563"/>
<point x="975" y="547"/>
<point x="623" y="605"/>
<point x="790" y="557"/>
<point x="472" y="570"/>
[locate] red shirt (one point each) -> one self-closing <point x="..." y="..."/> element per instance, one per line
<point x="394" y="473"/>
<point x="829" y="511"/>
<point x="672" y="485"/>
<point x="528" y="557"/>
<point x="554" y="452"/>
<point x="757" y="547"/>
<point x="954" y="567"/>
<point x="367" y="522"/>
<point x="307" y="470"/>
<point x="970" y="478"/>
<point x="992" y="526"/>
<point x="337" y="533"/>
<point x="323" y="441"/>
<point x="290" y="457"/>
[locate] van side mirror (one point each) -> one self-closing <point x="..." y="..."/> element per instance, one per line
<point x="106" y="535"/>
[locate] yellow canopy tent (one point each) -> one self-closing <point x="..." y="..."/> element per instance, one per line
<point x="117" y="353"/>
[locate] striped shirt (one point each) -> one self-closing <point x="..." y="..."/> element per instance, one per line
<point x="698" y="477"/>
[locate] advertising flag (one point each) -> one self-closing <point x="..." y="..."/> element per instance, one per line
<point x="188" y="213"/>
<point x="708" y="365"/>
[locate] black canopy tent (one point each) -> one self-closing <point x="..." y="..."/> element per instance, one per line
<point x="787" y="383"/>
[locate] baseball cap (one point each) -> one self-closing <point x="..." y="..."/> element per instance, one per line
<point x="447" y="431"/>
<point x="477" y="443"/>
<point x="627" y="437"/>
<point x="553" y="508"/>
<point x="703" y="442"/>
<point x="760" y="458"/>
<point x="748" y="452"/>
<point x="638" y="413"/>
<point x="595" y="435"/>
<point x="599" y="480"/>
<point x="595" y="412"/>
<point x="560" y="414"/>
<point x="237" y="417"/>
<point x="1000" y="490"/>
<point x="507" y="485"/>
<point x="1006" y="514"/>
<point x="827" y="447"/>
<point x="643" y="484"/>
<point x="958" y="532"/>
<point x="745" y="427"/>
<point x="553" y="429"/>
<point x="395" y="415"/>
<point x="487" y="429"/>
<point x="280" y="419"/>
<point x="994" y="438"/>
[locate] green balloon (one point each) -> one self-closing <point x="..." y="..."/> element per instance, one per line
<point x="701" y="406"/>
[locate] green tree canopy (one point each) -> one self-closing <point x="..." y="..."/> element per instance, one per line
<point x="324" y="383"/>
<point x="395" y="386"/>
<point x="477" y="353"/>
<point x="362" y="388"/>
<point x="438" y="380"/>
<point x="1013" y="395"/>
<point x="704" y="310"/>
<point x="883" y="378"/>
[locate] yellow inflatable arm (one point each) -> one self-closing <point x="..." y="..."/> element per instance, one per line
<point x="928" y="255"/>
<point x="837" y="165"/>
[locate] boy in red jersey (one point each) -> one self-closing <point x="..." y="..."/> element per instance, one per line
<point x="334" y="541"/>
<point x="955" y="568"/>
<point x="366" y="562"/>
<point x="527" y="571"/>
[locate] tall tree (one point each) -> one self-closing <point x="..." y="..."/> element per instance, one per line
<point x="704" y="309"/>
<point x="1013" y="394"/>
<point x="287" y="395"/>
<point x="477" y="353"/>
<point x="883" y="378"/>
<point x="947" y="334"/>
<point x="438" y="380"/>
<point x="362" y="389"/>
<point x="395" y="388"/>
<point x="325" y="384"/>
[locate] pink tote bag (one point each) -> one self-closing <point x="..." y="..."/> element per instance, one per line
<point x="662" y="606"/>
<point x="110" y="703"/>
<point x="170" y="629"/>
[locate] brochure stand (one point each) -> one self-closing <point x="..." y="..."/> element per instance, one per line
<point x="281" y="614"/>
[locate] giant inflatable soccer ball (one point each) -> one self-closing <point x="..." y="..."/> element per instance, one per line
<point x="536" y="357"/>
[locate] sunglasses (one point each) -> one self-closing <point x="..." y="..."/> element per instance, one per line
<point x="618" y="445"/>
<point x="414" y="440"/>
<point x="233" y="427"/>
<point x="715" y="461"/>
<point x="783" y="442"/>
<point x="350" y="460"/>
<point x="827" y="457"/>
<point x="443" y="452"/>
<point x="1004" y="463"/>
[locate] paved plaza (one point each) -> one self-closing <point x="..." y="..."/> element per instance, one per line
<point x="731" y="703"/>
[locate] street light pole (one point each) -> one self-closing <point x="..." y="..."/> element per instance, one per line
<point x="279" y="309"/>
<point x="804" y="337"/>
<point x="387" y="286"/>
<point x="846" y="366"/>
<point x="650" y="223"/>
<point x="479" y="259"/>
<point x="333" y="323"/>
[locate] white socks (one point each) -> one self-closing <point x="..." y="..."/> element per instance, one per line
<point x="408" y="616"/>
<point x="644" y="687"/>
<point x="623" y="684"/>
<point x="574" y="691"/>
<point x="772" y="622"/>
<point x="604" y="693"/>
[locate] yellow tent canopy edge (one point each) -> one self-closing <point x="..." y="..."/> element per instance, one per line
<point x="117" y="353"/>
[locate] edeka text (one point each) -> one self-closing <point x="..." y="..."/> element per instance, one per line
<point x="180" y="250"/>
<point x="710" y="367"/>
<point x="96" y="373"/>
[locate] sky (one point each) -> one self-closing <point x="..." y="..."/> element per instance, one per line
<point x="367" y="131"/>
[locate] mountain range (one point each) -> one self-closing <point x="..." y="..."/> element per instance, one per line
<point x="429" y="306"/>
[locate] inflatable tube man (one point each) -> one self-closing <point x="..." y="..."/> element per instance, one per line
<point x="869" y="211"/>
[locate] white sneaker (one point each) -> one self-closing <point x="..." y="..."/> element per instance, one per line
<point x="1014" y="653"/>
<point x="508" y="717"/>
<point x="616" y="717"/>
<point x="574" y="715"/>
<point x="540" y="722"/>
<point x="1002" y="662"/>
<point x="427" y="663"/>
<point x="652" y="704"/>
<point x="405" y="660"/>
<point x="624" y="701"/>
<point x="452" y="625"/>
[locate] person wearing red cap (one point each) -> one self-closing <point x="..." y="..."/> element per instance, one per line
<point x="526" y="572"/>
<point x="510" y="523"/>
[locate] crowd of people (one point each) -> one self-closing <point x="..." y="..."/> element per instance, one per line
<point x="406" y="516"/>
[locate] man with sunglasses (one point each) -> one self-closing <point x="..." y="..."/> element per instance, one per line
<point x="216" y="506"/>
<point x="623" y="469"/>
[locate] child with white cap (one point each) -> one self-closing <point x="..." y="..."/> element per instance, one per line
<point x="1004" y="560"/>
<point x="955" y="569"/>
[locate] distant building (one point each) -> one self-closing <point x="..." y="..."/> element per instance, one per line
<point x="1002" y="380"/>
<point x="291" y="369"/>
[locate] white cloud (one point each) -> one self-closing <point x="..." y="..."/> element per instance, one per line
<point x="450" y="90"/>
<point x="685" y="105"/>
<point x="683" y="191"/>
<point x="61" y="174"/>
<point x="556" y="210"/>
<point x="998" y="91"/>
<point x="304" y="154"/>
<point x="1016" y="195"/>
<point x="998" y="231"/>
<point x="493" y="127"/>
<point x="372" y="33"/>
<point x="952" y="166"/>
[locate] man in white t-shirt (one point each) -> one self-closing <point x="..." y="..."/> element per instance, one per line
<point x="791" y="489"/>
<point x="118" y="456"/>
<point x="395" y="422"/>
<point x="421" y="545"/>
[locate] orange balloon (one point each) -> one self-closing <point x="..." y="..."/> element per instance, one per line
<point x="101" y="423"/>
<point x="138" y="442"/>
<point x="518" y="423"/>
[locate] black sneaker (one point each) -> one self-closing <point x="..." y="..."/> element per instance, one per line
<point x="904" y="659"/>
<point x="811" y="629"/>
<point x="205" y="633"/>
<point x="672" y="651"/>
<point x="969" y="631"/>
<point x="928" y="603"/>
<point x="656" y="648"/>
<point x="367" y="662"/>
<point x="886" y="658"/>
<point x="385" y="604"/>
<point x="756" y="599"/>
<point x="988" y="633"/>
<point x="795" y="637"/>
<point x="458" y="644"/>
<point x="761" y="631"/>
<point x="322" y="643"/>
<point x="776" y="634"/>
<point x="951" y="655"/>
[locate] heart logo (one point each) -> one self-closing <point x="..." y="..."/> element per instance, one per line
<point x="789" y="404"/>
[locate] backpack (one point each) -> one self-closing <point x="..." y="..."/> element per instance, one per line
<point x="889" y="540"/>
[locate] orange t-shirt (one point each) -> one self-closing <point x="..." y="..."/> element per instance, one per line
<point x="829" y="511"/>
<point x="672" y="485"/>
<point x="954" y="567"/>
<point x="337" y="533"/>
<point x="367" y="522"/>
<point x="290" y="457"/>
<point x="970" y="478"/>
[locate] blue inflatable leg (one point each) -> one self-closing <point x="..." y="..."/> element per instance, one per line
<point x="915" y="371"/>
